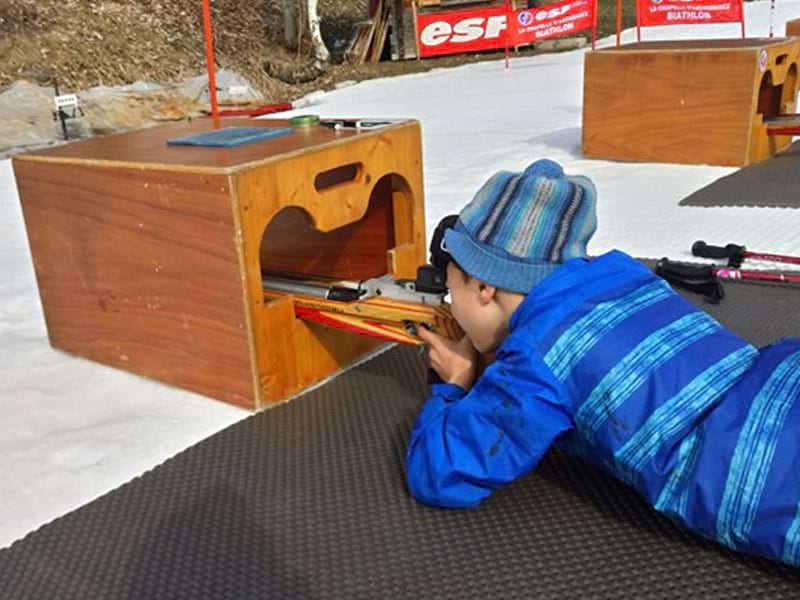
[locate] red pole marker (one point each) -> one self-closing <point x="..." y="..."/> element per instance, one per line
<point x="212" y="81"/>
<point x="509" y="18"/>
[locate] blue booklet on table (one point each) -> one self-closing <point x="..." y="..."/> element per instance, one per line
<point x="229" y="137"/>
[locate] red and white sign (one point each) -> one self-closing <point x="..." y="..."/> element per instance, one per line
<point x="461" y="31"/>
<point x="486" y="28"/>
<point x="688" y="12"/>
<point x="553" y="20"/>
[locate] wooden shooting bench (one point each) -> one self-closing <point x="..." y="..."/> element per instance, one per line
<point x="716" y="102"/>
<point x="149" y="257"/>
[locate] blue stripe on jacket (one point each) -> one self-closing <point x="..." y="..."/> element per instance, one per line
<point x="674" y="496"/>
<point x="584" y="334"/>
<point x="754" y="451"/>
<point x="682" y="411"/>
<point x="635" y="369"/>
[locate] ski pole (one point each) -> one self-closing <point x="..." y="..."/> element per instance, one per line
<point x="724" y="273"/>
<point x="704" y="272"/>
<point x="706" y="279"/>
<point x="737" y="254"/>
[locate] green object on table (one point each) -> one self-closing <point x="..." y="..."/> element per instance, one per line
<point x="304" y="120"/>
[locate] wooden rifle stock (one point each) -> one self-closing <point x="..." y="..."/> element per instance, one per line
<point x="377" y="317"/>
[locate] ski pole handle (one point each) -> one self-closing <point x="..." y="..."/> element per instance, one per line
<point x="733" y="252"/>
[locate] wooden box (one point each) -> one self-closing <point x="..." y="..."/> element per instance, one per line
<point x="697" y="102"/>
<point x="150" y="257"/>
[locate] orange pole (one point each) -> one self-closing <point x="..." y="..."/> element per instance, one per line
<point x="212" y="81"/>
<point x="771" y="11"/>
<point x="509" y="18"/>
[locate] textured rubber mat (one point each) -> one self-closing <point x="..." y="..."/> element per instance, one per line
<point x="309" y="500"/>
<point x="774" y="183"/>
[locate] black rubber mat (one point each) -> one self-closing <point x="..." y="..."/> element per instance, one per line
<point x="309" y="501"/>
<point x="772" y="183"/>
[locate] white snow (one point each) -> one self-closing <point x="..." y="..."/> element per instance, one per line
<point x="71" y="430"/>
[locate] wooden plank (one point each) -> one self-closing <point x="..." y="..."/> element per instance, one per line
<point x="414" y="14"/>
<point x="359" y="43"/>
<point x="409" y="30"/>
<point x="793" y="28"/>
<point x="396" y="36"/>
<point x="380" y="37"/>
<point x="377" y="32"/>
<point x="139" y="270"/>
<point x="278" y="378"/>
<point x="401" y="261"/>
<point x="403" y="216"/>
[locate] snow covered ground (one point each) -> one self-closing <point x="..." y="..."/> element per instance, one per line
<point x="72" y="430"/>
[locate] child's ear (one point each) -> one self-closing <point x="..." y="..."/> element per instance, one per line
<point x="486" y="293"/>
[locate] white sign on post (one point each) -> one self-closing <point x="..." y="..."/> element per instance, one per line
<point x="66" y="101"/>
<point x="237" y="90"/>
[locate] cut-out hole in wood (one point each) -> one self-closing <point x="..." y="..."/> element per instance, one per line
<point x="292" y="246"/>
<point x="338" y="176"/>
<point x="769" y="97"/>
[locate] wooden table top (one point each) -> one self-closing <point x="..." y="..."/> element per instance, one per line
<point x="148" y="148"/>
<point x="704" y="44"/>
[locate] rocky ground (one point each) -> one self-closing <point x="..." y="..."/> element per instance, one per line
<point x="86" y="43"/>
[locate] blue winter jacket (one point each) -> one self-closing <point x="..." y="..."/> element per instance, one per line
<point x="606" y="359"/>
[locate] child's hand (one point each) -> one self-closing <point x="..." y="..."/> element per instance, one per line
<point x="455" y="362"/>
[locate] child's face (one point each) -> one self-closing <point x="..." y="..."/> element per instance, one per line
<point x="473" y="307"/>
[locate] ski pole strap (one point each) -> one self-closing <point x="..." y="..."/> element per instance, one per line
<point x="733" y="252"/>
<point x="699" y="279"/>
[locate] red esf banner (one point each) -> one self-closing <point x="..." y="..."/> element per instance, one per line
<point x="461" y="31"/>
<point x="688" y="12"/>
<point x="554" y="20"/>
<point x="488" y="28"/>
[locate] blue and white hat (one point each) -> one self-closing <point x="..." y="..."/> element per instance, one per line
<point x="520" y="227"/>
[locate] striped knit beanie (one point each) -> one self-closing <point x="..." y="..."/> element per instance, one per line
<point x="520" y="227"/>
